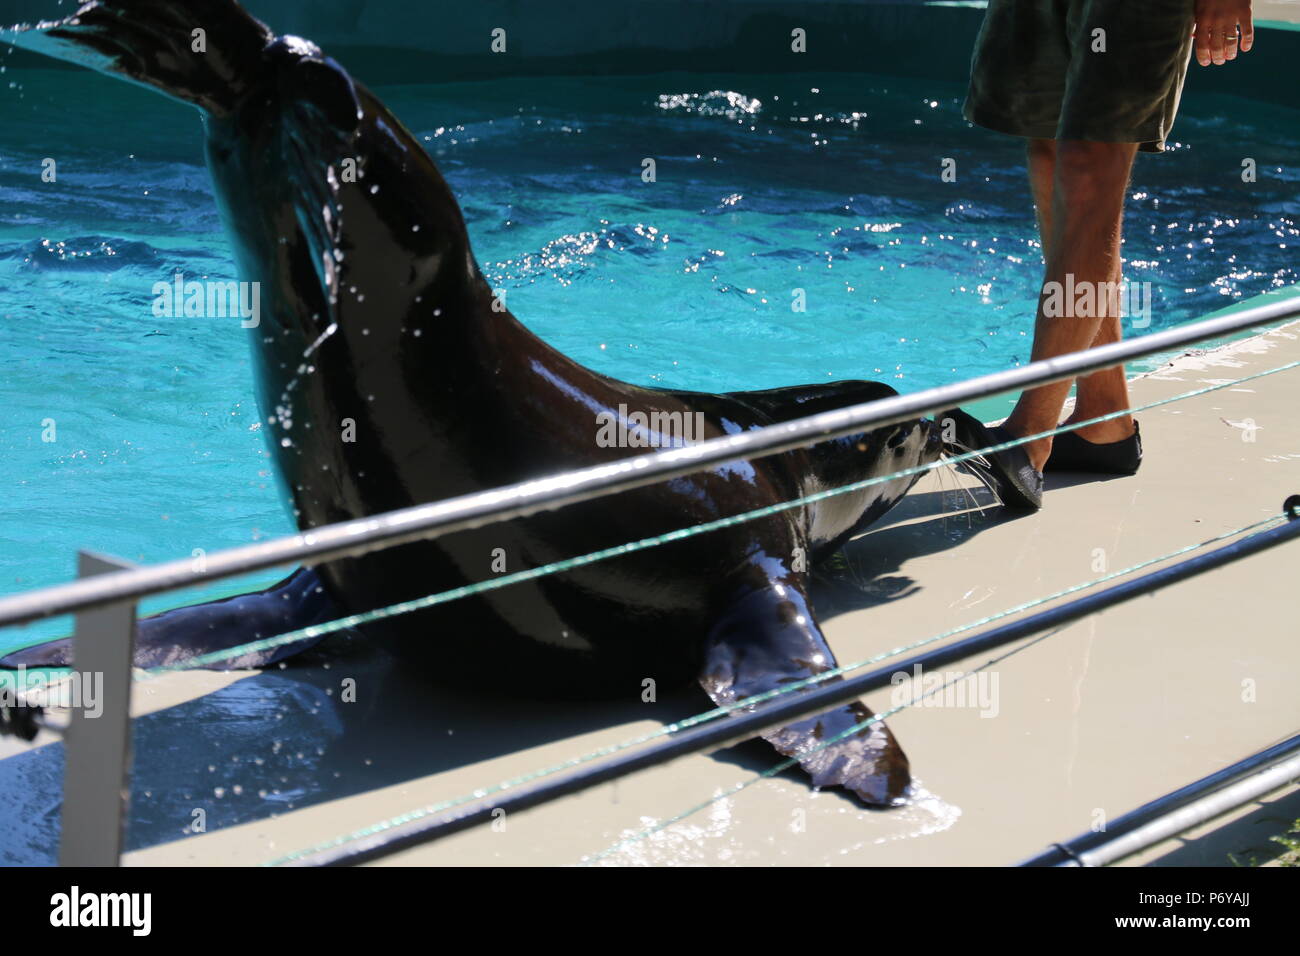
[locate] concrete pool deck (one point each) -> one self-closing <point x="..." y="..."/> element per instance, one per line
<point x="1082" y="724"/>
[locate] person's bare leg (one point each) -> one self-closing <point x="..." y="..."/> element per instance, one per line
<point x="1107" y="390"/>
<point x="1084" y="217"/>
<point x="1042" y="174"/>
<point x="1103" y="392"/>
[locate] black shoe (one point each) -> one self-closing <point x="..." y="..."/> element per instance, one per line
<point x="1072" y="453"/>
<point x="1015" y="481"/>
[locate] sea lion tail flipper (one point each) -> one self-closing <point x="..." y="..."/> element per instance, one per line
<point x="767" y="639"/>
<point x="204" y="52"/>
<point x="184" y="633"/>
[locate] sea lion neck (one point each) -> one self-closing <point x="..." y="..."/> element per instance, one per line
<point x="316" y="180"/>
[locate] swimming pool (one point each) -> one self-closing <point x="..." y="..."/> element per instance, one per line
<point x="765" y="185"/>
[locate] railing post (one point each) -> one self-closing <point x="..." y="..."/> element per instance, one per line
<point x="97" y="743"/>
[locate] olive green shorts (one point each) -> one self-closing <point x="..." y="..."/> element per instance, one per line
<point x="1110" y="71"/>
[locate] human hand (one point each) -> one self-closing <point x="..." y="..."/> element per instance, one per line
<point x="1216" y="30"/>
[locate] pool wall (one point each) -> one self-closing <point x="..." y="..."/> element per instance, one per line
<point x="395" y="41"/>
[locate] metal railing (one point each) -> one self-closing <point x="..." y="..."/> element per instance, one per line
<point x="104" y="599"/>
<point x="1177" y="812"/>
<point x="775" y="713"/>
<point x="421" y="522"/>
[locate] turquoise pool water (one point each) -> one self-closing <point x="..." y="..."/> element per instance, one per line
<point x="765" y="185"/>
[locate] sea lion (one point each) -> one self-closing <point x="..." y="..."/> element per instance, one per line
<point x="389" y="375"/>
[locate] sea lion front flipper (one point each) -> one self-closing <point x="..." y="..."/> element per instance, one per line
<point x="769" y="638"/>
<point x="184" y="633"/>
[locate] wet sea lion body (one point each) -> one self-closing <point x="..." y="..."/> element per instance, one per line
<point x="388" y="376"/>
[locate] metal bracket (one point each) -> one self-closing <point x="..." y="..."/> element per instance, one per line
<point x="97" y="743"/>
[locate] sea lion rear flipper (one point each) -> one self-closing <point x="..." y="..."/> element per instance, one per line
<point x="768" y="638"/>
<point x="184" y="633"/>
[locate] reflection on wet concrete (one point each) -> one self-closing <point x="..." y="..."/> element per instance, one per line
<point x="286" y="739"/>
<point x="715" y="836"/>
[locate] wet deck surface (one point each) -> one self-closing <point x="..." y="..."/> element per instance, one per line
<point x="1062" y="731"/>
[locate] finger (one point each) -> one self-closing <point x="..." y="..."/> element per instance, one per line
<point x="1230" y="43"/>
<point x="1202" y="44"/>
<point x="1247" y="35"/>
<point x="1216" y="46"/>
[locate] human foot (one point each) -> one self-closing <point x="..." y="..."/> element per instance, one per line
<point x="1037" y="451"/>
<point x="1074" y="453"/>
<point x="1102" y="433"/>
<point x="1016" y="479"/>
